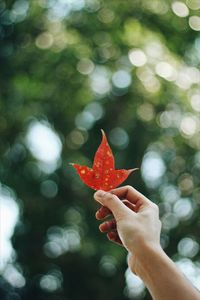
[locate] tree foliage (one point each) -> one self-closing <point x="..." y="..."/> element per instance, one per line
<point x="70" y="68"/>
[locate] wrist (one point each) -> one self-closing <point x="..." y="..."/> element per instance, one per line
<point x="143" y="261"/>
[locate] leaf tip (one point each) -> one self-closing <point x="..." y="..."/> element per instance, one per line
<point x="132" y="170"/>
<point x="102" y="131"/>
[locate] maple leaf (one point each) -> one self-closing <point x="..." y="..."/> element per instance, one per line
<point x="102" y="175"/>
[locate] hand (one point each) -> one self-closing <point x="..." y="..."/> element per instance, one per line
<point x="135" y="223"/>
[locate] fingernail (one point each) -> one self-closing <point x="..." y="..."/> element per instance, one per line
<point x="100" y="194"/>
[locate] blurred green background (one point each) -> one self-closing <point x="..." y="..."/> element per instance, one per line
<point x="68" y="69"/>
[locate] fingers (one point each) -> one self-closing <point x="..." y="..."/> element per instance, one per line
<point x="113" y="203"/>
<point x="114" y="237"/>
<point x="131" y="194"/>
<point x="110" y="228"/>
<point x="104" y="212"/>
<point x="107" y="226"/>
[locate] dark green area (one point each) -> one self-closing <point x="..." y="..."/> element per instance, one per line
<point x="63" y="70"/>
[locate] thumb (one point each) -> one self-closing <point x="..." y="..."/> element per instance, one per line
<point x="113" y="203"/>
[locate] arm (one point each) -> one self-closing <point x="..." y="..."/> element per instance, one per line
<point x="137" y="227"/>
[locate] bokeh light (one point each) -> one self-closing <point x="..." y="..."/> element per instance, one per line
<point x="180" y="9"/>
<point x="193" y="4"/>
<point x="188" y="247"/>
<point x="119" y="137"/>
<point x="44" y="144"/>
<point x="60" y="240"/>
<point x="9" y="215"/>
<point x="153" y="168"/>
<point x="121" y="79"/>
<point x="190" y="269"/>
<point x="137" y="57"/>
<point x="134" y="285"/>
<point x="194" y="22"/>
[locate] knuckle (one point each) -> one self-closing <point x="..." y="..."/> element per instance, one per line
<point x="129" y="187"/>
<point x="155" y="207"/>
<point x="109" y="196"/>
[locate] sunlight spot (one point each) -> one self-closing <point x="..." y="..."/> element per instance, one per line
<point x="84" y="120"/>
<point x="60" y="9"/>
<point x="165" y="70"/>
<point x="95" y="109"/>
<point x="76" y="138"/>
<point x="44" y="40"/>
<point x="137" y="57"/>
<point x="183" y="209"/>
<point x="19" y="11"/>
<point x="185" y="183"/>
<point x="150" y="82"/>
<point x="170" y="193"/>
<point x="146" y="112"/>
<point x="44" y="144"/>
<point x="191" y="270"/>
<point x="121" y="79"/>
<point x="13" y="276"/>
<point x="134" y="285"/>
<point x="61" y="240"/>
<point x="85" y="66"/>
<point x="156" y="7"/>
<point x="49" y="188"/>
<point x="107" y="265"/>
<point x="119" y="137"/>
<point x="170" y="118"/>
<point x="155" y="50"/>
<point x="195" y="102"/>
<point x="188" y="247"/>
<point x="153" y="168"/>
<point x="106" y="15"/>
<point x="99" y="80"/>
<point x="193" y="4"/>
<point x="189" y="125"/>
<point x="180" y="9"/>
<point x="183" y="80"/>
<point x="169" y="221"/>
<point x="193" y="73"/>
<point x="194" y="22"/>
<point x="9" y="214"/>
<point x="52" y="281"/>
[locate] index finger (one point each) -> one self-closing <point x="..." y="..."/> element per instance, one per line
<point x="131" y="194"/>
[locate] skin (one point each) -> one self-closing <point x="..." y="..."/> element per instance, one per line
<point x="134" y="223"/>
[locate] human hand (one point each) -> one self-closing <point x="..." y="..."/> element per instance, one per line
<point x="135" y="223"/>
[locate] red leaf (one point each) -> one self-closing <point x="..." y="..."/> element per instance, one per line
<point x="103" y="175"/>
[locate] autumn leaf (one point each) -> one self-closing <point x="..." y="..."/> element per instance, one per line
<point x="102" y="175"/>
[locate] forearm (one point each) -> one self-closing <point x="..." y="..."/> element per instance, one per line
<point x="162" y="277"/>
